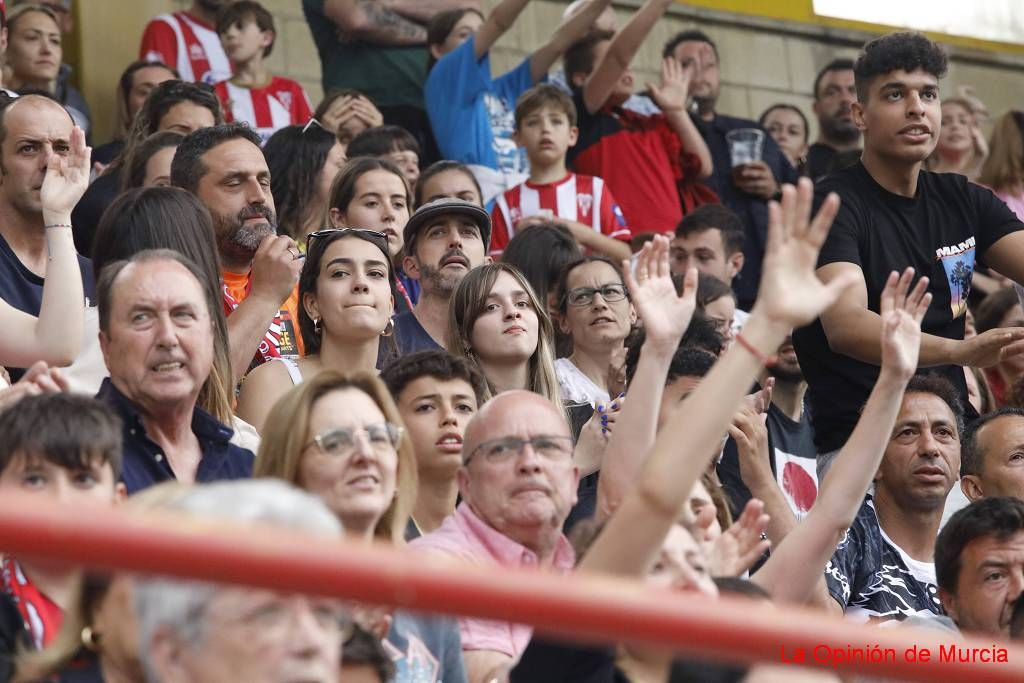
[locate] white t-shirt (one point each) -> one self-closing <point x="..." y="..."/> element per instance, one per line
<point x="577" y="387"/>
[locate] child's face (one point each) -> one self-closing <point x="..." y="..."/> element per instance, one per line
<point x="35" y="475"/>
<point x="435" y="413"/>
<point x="546" y="135"/>
<point x="244" y="41"/>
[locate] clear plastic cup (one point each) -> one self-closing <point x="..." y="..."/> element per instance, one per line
<point x="746" y="145"/>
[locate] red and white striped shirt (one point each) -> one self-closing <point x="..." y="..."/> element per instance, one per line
<point x="189" y="45"/>
<point x="580" y="198"/>
<point x="282" y="103"/>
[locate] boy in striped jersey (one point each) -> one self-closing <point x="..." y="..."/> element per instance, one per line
<point x="254" y="95"/>
<point x="545" y="125"/>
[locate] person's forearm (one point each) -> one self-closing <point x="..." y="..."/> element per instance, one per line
<point x="856" y="333"/>
<point x="620" y="53"/>
<point x="247" y="325"/>
<point x="497" y="23"/>
<point x="57" y="336"/>
<point x="564" y="36"/>
<point x="591" y="239"/>
<point x="422" y="11"/>
<point x="781" y="519"/>
<point x="373" y="22"/>
<point x="692" y="140"/>
<point x="791" y="572"/>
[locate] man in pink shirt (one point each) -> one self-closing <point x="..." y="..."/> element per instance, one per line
<point x="518" y="484"/>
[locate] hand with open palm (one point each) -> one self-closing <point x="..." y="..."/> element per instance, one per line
<point x="665" y="314"/>
<point x="66" y="179"/>
<point x="902" y="313"/>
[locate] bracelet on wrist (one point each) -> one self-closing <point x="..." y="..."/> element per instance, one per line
<point x="764" y="359"/>
<point x="58" y="225"/>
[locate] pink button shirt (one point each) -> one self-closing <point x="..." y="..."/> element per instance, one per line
<point x="467" y="537"/>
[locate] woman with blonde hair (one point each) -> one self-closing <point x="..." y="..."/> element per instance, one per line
<point x="340" y="437"/>
<point x="1003" y="170"/>
<point x="961" y="147"/>
<point x="497" y="322"/>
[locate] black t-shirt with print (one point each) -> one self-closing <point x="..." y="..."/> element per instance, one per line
<point x="939" y="232"/>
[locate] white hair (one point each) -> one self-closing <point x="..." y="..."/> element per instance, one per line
<point x="177" y="604"/>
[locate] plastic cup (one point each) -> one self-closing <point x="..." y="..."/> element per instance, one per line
<point x="746" y="145"/>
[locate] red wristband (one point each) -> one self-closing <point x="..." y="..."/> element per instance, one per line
<point x="765" y="360"/>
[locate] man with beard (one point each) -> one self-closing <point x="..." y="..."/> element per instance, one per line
<point x="444" y="240"/>
<point x="203" y="59"/>
<point x="748" y="190"/>
<point x="225" y="168"/>
<point x="790" y="440"/>
<point x="838" y="143"/>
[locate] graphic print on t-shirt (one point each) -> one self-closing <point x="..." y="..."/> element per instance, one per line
<point x="958" y="262"/>
<point x="511" y="157"/>
<point x="798" y="479"/>
<point x="416" y="665"/>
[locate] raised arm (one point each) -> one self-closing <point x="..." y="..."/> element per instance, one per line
<point x="620" y="53"/>
<point x="791" y="296"/>
<point x="564" y="36"/>
<point x="794" y="573"/>
<point x="422" y="11"/>
<point x="373" y="22"/>
<point x="854" y="330"/>
<point x="671" y="96"/>
<point x="665" y="318"/>
<point x="497" y="22"/>
<point x="56" y="335"/>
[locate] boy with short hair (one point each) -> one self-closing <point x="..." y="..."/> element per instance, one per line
<point x="436" y="394"/>
<point x="58" y="448"/>
<point x="393" y="143"/>
<point x="253" y="94"/>
<point x="545" y="125"/>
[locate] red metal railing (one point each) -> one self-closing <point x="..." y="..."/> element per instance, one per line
<point x="583" y="608"/>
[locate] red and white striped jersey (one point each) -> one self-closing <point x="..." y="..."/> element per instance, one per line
<point x="189" y="45"/>
<point x="282" y="103"/>
<point x="581" y="198"/>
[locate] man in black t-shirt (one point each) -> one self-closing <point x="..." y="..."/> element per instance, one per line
<point x="838" y="143"/>
<point x="894" y="215"/>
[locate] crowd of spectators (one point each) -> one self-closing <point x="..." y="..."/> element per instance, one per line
<point x="547" y="319"/>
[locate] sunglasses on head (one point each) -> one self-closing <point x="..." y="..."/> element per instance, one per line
<point x="377" y="238"/>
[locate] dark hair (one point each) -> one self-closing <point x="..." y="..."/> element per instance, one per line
<point x="296" y="157"/>
<point x="311" y="274"/>
<point x="697" y="351"/>
<point x="709" y="289"/>
<point x="579" y="58"/>
<point x="134" y="174"/>
<point x="562" y="283"/>
<point x="906" y="51"/>
<point x="939" y="386"/>
<point x="540" y="254"/>
<point x="788" y="107"/>
<point x="187" y="168"/>
<point x="67" y="430"/>
<point x="441" y="25"/>
<point x="993" y="308"/>
<point x="439" y="167"/>
<point x="689" y="361"/>
<point x="382" y="140"/>
<point x="436" y="364"/>
<point x="235" y="14"/>
<point x="343" y="189"/>
<point x="691" y="35"/>
<point x="161" y="100"/>
<point x="972" y="459"/>
<point x="364" y="649"/>
<point x="124" y="90"/>
<point x="840" y="64"/>
<point x="997" y="516"/>
<point x="544" y="95"/>
<point x="719" y="217"/>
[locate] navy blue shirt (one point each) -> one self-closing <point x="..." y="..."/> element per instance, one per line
<point x="752" y="210"/>
<point x="410" y="335"/>
<point x="145" y="463"/>
<point x="23" y="289"/>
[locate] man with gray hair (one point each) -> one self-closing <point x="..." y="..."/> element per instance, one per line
<point x="518" y="483"/>
<point x="203" y="633"/>
<point x="156" y="334"/>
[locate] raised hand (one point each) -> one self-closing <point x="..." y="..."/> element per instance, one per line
<point x="67" y="177"/>
<point x="791" y="294"/>
<point x="901" y="314"/>
<point x="674" y="90"/>
<point x="665" y="314"/>
<point x="740" y="546"/>
<point x="750" y="433"/>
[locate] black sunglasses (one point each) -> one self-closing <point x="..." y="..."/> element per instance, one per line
<point x="377" y="238"/>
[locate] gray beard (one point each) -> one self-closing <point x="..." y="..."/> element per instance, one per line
<point x="435" y="283"/>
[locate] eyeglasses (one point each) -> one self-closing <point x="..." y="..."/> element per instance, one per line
<point x="378" y="238"/>
<point x="342" y="441"/>
<point x="313" y="122"/>
<point x="584" y="296"/>
<point x="501" y="450"/>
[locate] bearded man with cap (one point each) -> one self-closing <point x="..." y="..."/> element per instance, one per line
<point x="444" y="240"/>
